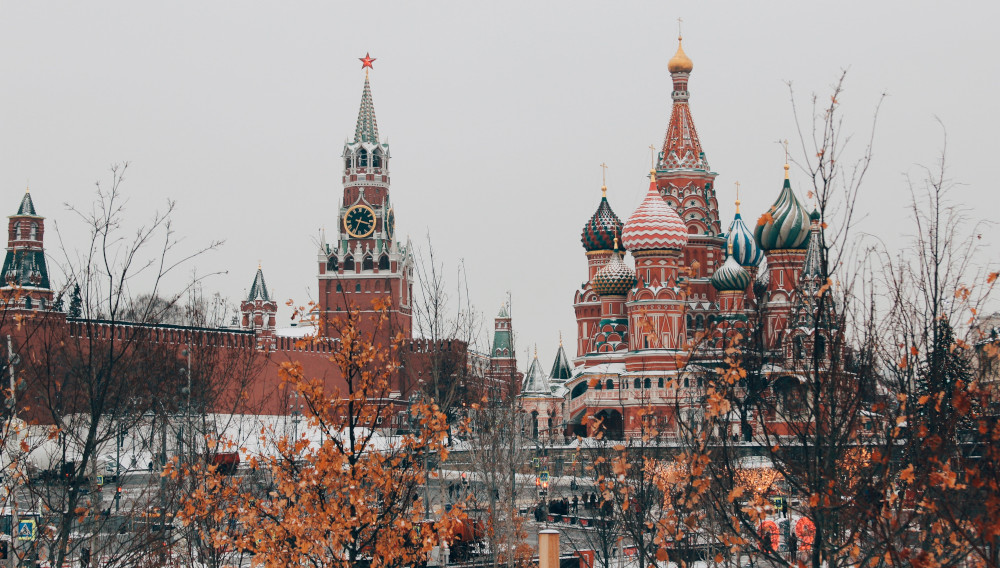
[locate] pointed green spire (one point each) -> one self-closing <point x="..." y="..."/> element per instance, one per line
<point x="258" y="291"/>
<point x="27" y="207"/>
<point x="367" y="128"/>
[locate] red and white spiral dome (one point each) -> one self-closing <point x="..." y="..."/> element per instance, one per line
<point x="654" y="225"/>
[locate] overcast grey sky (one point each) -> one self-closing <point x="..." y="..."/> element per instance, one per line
<point x="498" y="116"/>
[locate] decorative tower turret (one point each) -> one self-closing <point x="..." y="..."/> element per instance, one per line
<point x="364" y="262"/>
<point x="599" y="238"/>
<point x="613" y="283"/>
<point x="259" y="312"/>
<point x="656" y="237"/>
<point x="503" y="362"/>
<point x="742" y="246"/>
<point x="25" y="274"/>
<point x="687" y="184"/>
<point x="812" y="322"/>
<point x="783" y="232"/>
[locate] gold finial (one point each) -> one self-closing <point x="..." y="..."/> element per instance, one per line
<point x="258" y="265"/>
<point x="560" y="338"/>
<point x="27" y="186"/>
<point x="786" y="171"/>
<point x="652" y="173"/>
<point x="604" y="179"/>
<point x="536" y="351"/>
<point x="737" y="196"/>
<point x="680" y="62"/>
<point x="616" y="244"/>
<point x="730" y="247"/>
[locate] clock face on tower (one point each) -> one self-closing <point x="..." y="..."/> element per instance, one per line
<point x="359" y="221"/>
<point x="390" y="223"/>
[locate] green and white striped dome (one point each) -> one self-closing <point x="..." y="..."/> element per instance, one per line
<point x="786" y="223"/>
<point x="730" y="276"/>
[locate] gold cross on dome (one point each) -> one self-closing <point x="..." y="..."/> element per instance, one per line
<point x="737" y="190"/>
<point x="785" y="144"/>
<point x="604" y="174"/>
<point x="652" y="156"/>
<point x="679" y="34"/>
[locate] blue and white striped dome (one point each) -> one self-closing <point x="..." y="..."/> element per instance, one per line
<point x="742" y="241"/>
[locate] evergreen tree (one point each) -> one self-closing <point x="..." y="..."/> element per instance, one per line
<point x="75" y="303"/>
<point x="58" y="305"/>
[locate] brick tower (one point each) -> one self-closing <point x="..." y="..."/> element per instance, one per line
<point x="259" y="311"/>
<point x="25" y="274"/>
<point x="687" y="184"/>
<point x="363" y="261"/>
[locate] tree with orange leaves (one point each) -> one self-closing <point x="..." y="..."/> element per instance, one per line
<point x="350" y="499"/>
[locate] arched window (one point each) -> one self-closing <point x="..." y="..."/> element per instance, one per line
<point x="648" y="383"/>
<point x="609" y="384"/>
<point x="367" y="263"/>
<point x="34" y="231"/>
<point x="579" y="389"/>
<point x="17" y="229"/>
<point x="27" y="303"/>
<point x="339" y="287"/>
<point x="821" y="347"/>
<point x="383" y="262"/>
<point x="635" y="383"/>
<point x="331" y="263"/>
<point x="347" y="163"/>
<point x="349" y="263"/>
<point x="377" y="159"/>
<point x="362" y="158"/>
<point x="357" y="287"/>
<point x="799" y="346"/>
<point x="659" y="382"/>
<point x="506" y="352"/>
<point x="699" y="322"/>
<point x="690" y="321"/>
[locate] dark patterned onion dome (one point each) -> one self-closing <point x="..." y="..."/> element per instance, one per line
<point x="654" y="225"/>
<point x="742" y="241"/>
<point x="615" y="279"/>
<point x="730" y="276"/>
<point x="786" y="223"/>
<point x="602" y="229"/>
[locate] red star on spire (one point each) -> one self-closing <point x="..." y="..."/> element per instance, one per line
<point x="366" y="61"/>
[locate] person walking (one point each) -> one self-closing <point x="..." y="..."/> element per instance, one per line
<point x="576" y="504"/>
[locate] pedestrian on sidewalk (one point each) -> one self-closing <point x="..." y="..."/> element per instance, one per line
<point x="576" y="504"/>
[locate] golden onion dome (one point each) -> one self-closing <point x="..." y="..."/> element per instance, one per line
<point x="680" y="62"/>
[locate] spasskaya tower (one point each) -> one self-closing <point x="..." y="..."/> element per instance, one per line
<point x="361" y="260"/>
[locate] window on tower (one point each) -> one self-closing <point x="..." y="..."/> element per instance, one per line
<point x="362" y="158"/>
<point x="349" y="263"/>
<point x="377" y="159"/>
<point x="331" y="263"/>
<point x="34" y="231"/>
<point x="347" y="163"/>
<point x="339" y="287"/>
<point x="367" y="263"/>
<point x="383" y="262"/>
<point x="357" y="287"/>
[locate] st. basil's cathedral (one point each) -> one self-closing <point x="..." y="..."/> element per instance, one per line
<point x="649" y="338"/>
